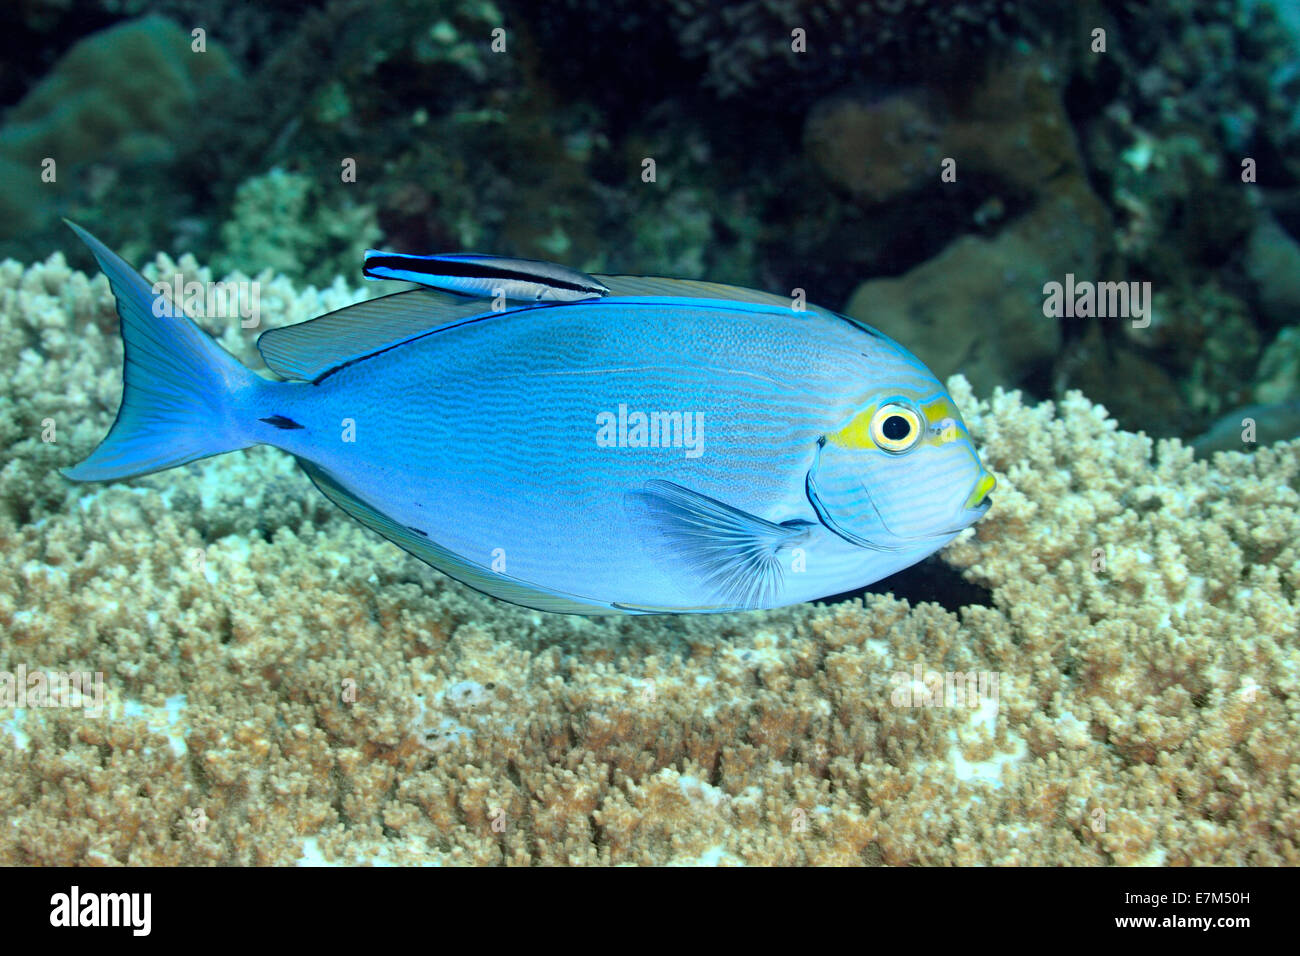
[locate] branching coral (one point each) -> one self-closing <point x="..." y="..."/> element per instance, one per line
<point x="1142" y="630"/>
<point x="289" y="223"/>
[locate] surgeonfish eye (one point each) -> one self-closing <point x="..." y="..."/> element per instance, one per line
<point x="895" y="428"/>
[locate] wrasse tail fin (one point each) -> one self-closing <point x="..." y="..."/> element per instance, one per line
<point x="177" y="384"/>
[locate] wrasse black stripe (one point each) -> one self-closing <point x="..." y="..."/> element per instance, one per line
<point x="468" y="270"/>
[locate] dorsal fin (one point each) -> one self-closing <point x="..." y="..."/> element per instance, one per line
<point x="625" y="287"/>
<point x="309" y="349"/>
<point x="656" y="286"/>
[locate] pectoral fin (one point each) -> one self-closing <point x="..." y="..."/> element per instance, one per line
<point x="737" y="554"/>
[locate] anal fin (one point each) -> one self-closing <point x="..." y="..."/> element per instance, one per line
<point x="480" y="578"/>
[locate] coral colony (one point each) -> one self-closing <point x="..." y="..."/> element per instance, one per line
<point x="244" y="624"/>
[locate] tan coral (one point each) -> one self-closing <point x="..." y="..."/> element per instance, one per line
<point x="1142" y="622"/>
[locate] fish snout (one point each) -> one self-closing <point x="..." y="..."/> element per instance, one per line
<point x="979" y="501"/>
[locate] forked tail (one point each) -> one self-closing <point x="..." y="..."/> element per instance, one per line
<point x="181" y="390"/>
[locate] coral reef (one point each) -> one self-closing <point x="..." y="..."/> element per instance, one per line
<point x="778" y="169"/>
<point x="1143" y="144"/>
<point x="747" y="46"/>
<point x="118" y="98"/>
<point x="288" y="223"/>
<point x="1250" y="427"/>
<point x="283" y="686"/>
<point x="1272" y="264"/>
<point x="977" y="305"/>
<point x="1168" y="125"/>
<point x="1279" y="369"/>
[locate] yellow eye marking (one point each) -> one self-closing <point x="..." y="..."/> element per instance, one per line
<point x="942" y="419"/>
<point x="857" y="433"/>
<point x="944" y="431"/>
<point x="892" y="426"/>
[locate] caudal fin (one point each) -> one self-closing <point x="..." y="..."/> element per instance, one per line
<point x="180" y="388"/>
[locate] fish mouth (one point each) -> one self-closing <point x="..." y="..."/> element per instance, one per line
<point x="979" y="499"/>
<point x="976" y="506"/>
<point x="885" y="538"/>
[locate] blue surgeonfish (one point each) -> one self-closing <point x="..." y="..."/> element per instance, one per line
<point x="650" y="445"/>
